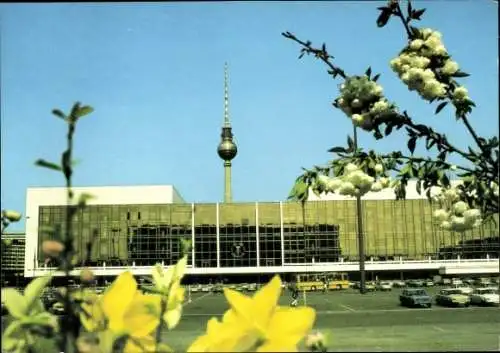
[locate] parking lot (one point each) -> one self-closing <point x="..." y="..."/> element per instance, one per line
<point x="371" y="322"/>
<point x="374" y="321"/>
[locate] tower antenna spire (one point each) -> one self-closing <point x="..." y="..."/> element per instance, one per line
<point x="227" y="123"/>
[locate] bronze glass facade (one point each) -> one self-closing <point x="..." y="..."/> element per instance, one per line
<point x="268" y="234"/>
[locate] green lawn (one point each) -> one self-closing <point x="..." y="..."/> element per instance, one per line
<point x="371" y="322"/>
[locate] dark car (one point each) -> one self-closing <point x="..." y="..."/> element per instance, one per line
<point x="415" y="297"/>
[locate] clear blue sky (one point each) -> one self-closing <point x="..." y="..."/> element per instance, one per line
<point x="154" y="74"/>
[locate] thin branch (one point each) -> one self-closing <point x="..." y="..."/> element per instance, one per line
<point x="322" y="54"/>
<point x="399" y="13"/>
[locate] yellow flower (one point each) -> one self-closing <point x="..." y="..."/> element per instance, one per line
<point x="256" y="324"/>
<point x="123" y="310"/>
<point x="169" y="284"/>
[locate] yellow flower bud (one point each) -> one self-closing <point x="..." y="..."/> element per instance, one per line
<point x="315" y="341"/>
<point x="12" y="216"/>
<point x="52" y="248"/>
<point x="86" y="275"/>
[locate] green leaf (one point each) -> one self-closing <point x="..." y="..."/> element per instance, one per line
<point x="460" y="74"/>
<point x="350" y="143"/>
<point x="368" y="72"/>
<point x="59" y="114"/>
<point x="429" y="143"/>
<point x="417" y="14"/>
<point x="42" y="319"/>
<point x="440" y="107"/>
<point x="337" y="150"/>
<point x="82" y="111"/>
<point x="412" y="143"/>
<point x="375" y="78"/>
<point x="48" y="165"/>
<point x="384" y="17"/>
<point x="13" y="335"/>
<point x="388" y="130"/>
<point x="15" y="302"/>
<point x="35" y="289"/>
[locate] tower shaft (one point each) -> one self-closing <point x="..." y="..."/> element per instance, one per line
<point x="228" y="198"/>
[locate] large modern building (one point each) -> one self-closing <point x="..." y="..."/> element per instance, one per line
<point x="12" y="258"/>
<point x="138" y="226"/>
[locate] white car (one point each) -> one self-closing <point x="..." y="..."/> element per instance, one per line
<point x="196" y="288"/>
<point x="463" y="288"/>
<point x="207" y="288"/>
<point x="485" y="296"/>
<point x="456" y="281"/>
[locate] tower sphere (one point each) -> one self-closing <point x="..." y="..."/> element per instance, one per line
<point x="227" y="150"/>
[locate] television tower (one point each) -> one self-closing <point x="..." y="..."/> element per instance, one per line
<point x="227" y="149"/>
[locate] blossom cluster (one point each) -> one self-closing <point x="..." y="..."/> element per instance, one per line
<point x="362" y="100"/>
<point x="425" y="66"/>
<point x="355" y="182"/>
<point x="455" y="214"/>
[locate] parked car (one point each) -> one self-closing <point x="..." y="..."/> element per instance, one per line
<point x="429" y="283"/>
<point x="445" y="281"/>
<point x="252" y="287"/>
<point x="415" y="297"/>
<point x="370" y="286"/>
<point x="463" y="288"/>
<point x="399" y="284"/>
<point x="485" y="296"/>
<point x="415" y="283"/>
<point x="196" y="288"/>
<point x="207" y="288"/>
<point x="469" y="281"/>
<point x="456" y="281"/>
<point x="452" y="297"/>
<point x="483" y="282"/>
<point x="384" y="286"/>
<point x="219" y="288"/>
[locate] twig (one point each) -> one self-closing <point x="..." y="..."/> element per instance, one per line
<point x="321" y="54"/>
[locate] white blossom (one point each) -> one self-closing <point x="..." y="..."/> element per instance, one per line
<point x="380" y="106"/>
<point x="416" y="44"/>
<point x="377" y="186"/>
<point x="460" y="93"/>
<point x="350" y="167"/>
<point x="441" y="215"/>
<point x="356" y="103"/>
<point x="333" y="184"/>
<point x="346" y="188"/>
<point x="450" y="67"/>
<point x="357" y="119"/>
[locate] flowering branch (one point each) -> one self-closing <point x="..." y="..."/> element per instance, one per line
<point x="412" y="33"/>
<point x="425" y="66"/>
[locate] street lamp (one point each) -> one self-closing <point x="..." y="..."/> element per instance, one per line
<point x="361" y="241"/>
